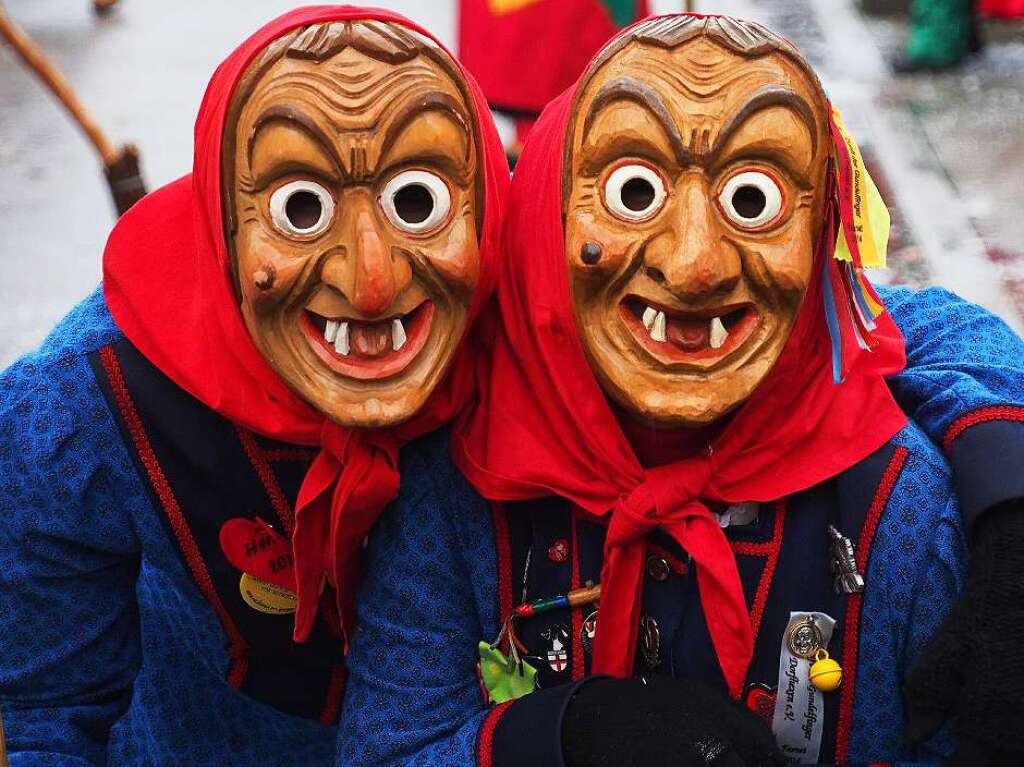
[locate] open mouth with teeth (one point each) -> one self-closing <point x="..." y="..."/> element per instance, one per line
<point x="687" y="336"/>
<point x="368" y="350"/>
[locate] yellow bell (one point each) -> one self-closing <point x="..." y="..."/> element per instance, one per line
<point x="826" y="674"/>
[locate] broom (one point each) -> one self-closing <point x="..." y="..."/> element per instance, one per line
<point x="121" y="164"/>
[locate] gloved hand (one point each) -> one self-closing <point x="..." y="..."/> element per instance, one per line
<point x="662" y="721"/>
<point x="973" y="670"/>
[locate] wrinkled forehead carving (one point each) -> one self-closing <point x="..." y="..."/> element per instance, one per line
<point x="693" y="145"/>
<point x="361" y="100"/>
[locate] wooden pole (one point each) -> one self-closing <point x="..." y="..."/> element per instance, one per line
<point x="121" y="164"/>
<point x="36" y="60"/>
<point x="691" y="6"/>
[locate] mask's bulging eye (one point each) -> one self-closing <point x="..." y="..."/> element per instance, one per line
<point x="751" y="199"/>
<point x="634" y="192"/>
<point x="301" y="209"/>
<point x="416" y="201"/>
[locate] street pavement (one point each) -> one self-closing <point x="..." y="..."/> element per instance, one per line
<point x="946" y="150"/>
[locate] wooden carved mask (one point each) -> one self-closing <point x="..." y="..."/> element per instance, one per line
<point x="351" y="179"/>
<point x="693" y="198"/>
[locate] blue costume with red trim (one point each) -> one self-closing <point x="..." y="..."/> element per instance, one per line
<point x="117" y="649"/>
<point x="404" y="707"/>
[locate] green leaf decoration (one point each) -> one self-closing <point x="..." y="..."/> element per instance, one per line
<point x="504" y="679"/>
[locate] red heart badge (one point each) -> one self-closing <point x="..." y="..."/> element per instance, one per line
<point x="761" y="700"/>
<point x="254" y="547"/>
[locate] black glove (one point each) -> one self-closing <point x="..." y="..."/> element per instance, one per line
<point x="973" y="670"/>
<point x="663" y="721"/>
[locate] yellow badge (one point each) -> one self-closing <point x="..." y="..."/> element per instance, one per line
<point x="266" y="597"/>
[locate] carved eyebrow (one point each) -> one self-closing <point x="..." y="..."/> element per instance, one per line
<point x="635" y="91"/>
<point x="770" y="97"/>
<point x="284" y="113"/>
<point x="426" y="103"/>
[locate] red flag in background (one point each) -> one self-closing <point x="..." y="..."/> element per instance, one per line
<point x="525" y="52"/>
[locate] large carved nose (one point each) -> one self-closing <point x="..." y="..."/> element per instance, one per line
<point x="693" y="259"/>
<point x="368" y="274"/>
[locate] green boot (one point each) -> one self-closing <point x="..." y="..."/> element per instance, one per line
<point x="941" y="32"/>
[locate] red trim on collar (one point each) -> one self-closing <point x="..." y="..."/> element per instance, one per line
<point x="851" y="633"/>
<point x="332" y="700"/>
<point x="769" y="549"/>
<point x="485" y="746"/>
<point x="189" y="548"/>
<point x="259" y="461"/>
<point x="576" y="614"/>
<point x="994" y="413"/>
<point x="503" y="545"/>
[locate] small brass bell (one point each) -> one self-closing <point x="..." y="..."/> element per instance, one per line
<point x="826" y="674"/>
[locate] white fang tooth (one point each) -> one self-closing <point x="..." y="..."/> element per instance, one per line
<point x="331" y="331"/>
<point x="649" y="314"/>
<point x="397" y="334"/>
<point x="718" y="333"/>
<point x="657" y="330"/>
<point x="341" y="340"/>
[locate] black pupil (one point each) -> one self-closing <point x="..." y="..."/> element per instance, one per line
<point x="749" y="201"/>
<point x="303" y="209"/>
<point x="637" y="194"/>
<point x="414" y="203"/>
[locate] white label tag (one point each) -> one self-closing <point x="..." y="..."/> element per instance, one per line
<point x="799" y="706"/>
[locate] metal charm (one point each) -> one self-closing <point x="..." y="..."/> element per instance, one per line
<point x="557" y="656"/>
<point x="805" y="639"/>
<point x="588" y="631"/>
<point x="846" y="579"/>
<point x="650" y="641"/>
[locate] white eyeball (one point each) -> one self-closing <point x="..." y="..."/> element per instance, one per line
<point x="634" y="192"/>
<point x="301" y="208"/>
<point x="416" y="201"/>
<point x="751" y="199"/>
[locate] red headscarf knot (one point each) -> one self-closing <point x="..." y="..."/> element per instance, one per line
<point x="669" y="498"/>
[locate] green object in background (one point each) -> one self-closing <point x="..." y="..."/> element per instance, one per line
<point x="623" y="12"/>
<point x="504" y="678"/>
<point x="940" y="32"/>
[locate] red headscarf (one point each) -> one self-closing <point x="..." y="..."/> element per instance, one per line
<point x="545" y="427"/>
<point x="167" y="281"/>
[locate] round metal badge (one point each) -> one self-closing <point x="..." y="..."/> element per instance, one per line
<point x="805" y="639"/>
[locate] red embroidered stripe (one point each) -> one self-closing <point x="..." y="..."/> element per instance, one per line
<point x="503" y="544"/>
<point x="578" y="662"/>
<point x="332" y="701"/>
<point x="262" y="466"/>
<point x="995" y="413"/>
<point x="485" y="745"/>
<point x="851" y="634"/>
<point x="179" y="525"/>
<point x="764" y="586"/>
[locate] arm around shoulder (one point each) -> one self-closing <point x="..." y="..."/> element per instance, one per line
<point x="69" y="558"/>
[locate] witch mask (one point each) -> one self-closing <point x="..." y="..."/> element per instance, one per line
<point x="694" y="186"/>
<point x="350" y="169"/>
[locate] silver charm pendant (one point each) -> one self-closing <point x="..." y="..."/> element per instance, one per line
<point x="846" y="579"/>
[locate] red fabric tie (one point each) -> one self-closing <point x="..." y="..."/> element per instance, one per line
<point x="668" y="498"/>
<point x="356" y="472"/>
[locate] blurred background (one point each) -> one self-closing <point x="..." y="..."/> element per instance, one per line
<point x="944" y="137"/>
